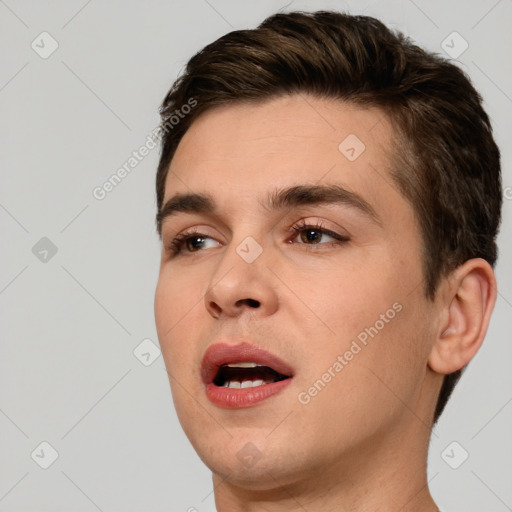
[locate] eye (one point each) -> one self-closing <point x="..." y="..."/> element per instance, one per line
<point x="315" y="234"/>
<point x="309" y="234"/>
<point x="190" y="242"/>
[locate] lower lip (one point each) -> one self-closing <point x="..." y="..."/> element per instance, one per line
<point x="243" y="397"/>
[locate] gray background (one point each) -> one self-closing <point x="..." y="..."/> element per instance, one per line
<point x="71" y="322"/>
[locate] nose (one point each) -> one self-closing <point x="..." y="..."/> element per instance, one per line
<point x="237" y="286"/>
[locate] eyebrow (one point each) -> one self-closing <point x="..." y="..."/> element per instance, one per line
<point x="279" y="199"/>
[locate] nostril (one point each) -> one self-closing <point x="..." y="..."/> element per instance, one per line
<point x="216" y="308"/>
<point x="250" y="302"/>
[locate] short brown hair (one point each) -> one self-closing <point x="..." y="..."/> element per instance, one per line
<point x="446" y="162"/>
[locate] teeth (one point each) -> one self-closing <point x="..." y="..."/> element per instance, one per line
<point x="248" y="364"/>
<point x="234" y="384"/>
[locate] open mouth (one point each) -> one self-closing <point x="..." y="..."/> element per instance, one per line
<point x="237" y="376"/>
<point x="246" y="375"/>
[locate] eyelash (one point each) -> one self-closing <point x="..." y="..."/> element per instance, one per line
<point x="318" y="226"/>
<point x="175" y="246"/>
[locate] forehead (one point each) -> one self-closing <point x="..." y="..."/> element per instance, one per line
<point x="238" y="151"/>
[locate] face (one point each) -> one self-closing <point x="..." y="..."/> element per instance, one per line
<point x="299" y="276"/>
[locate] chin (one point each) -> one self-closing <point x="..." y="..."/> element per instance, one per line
<point x="243" y="454"/>
<point x="252" y="460"/>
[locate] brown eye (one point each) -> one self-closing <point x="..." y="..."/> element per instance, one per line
<point x="315" y="235"/>
<point x="191" y="242"/>
<point x="311" y="235"/>
<point x="194" y="243"/>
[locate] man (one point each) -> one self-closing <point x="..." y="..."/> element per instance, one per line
<point x="328" y="200"/>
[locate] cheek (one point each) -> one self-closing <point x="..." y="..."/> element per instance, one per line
<point x="175" y="297"/>
<point x="352" y="295"/>
<point x="375" y="319"/>
<point x="176" y="302"/>
<point x="175" y="306"/>
<point x="380" y="380"/>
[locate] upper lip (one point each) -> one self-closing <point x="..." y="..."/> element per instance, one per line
<point x="223" y="353"/>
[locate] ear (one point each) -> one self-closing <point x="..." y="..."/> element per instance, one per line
<point x="468" y="298"/>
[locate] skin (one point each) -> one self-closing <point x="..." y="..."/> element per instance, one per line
<point x="361" y="443"/>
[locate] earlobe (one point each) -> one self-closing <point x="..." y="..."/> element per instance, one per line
<point x="468" y="303"/>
